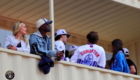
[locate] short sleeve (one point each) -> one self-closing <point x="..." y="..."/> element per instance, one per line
<point x="130" y="63"/>
<point x="60" y="46"/>
<point x="102" y="61"/>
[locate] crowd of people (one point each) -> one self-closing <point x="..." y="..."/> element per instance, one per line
<point x="90" y="54"/>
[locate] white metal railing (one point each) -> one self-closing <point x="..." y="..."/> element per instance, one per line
<point x="133" y="3"/>
<point x="25" y="67"/>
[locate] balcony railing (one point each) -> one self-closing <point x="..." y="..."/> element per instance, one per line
<point x="25" y="67"/>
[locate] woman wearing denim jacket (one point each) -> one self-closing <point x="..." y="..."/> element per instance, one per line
<point x="118" y="61"/>
<point x="18" y="41"/>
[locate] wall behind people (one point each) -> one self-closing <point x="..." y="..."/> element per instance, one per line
<point x="3" y="35"/>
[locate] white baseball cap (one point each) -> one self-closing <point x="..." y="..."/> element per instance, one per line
<point x="60" y="32"/>
<point x="41" y="22"/>
<point x="126" y="51"/>
<point x="72" y="47"/>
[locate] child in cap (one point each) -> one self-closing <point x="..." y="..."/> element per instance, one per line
<point x="61" y="38"/>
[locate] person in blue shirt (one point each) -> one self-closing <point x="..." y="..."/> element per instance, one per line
<point x="118" y="61"/>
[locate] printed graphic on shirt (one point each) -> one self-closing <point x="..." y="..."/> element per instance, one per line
<point x="93" y="63"/>
<point x="91" y="46"/>
<point x="72" y="46"/>
<point x="90" y="51"/>
<point x="60" y="47"/>
<point x="88" y="59"/>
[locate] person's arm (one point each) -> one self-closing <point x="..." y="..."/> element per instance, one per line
<point x="131" y="66"/>
<point x="33" y="41"/>
<point x="132" y="69"/>
<point x="75" y="56"/>
<point x="102" y="61"/>
<point x="119" y="64"/>
<point x="7" y="42"/>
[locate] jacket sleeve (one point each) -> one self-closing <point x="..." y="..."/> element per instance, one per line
<point x="118" y="64"/>
<point x="102" y="61"/>
<point x="49" y="53"/>
<point x="26" y="49"/>
<point x="74" y="58"/>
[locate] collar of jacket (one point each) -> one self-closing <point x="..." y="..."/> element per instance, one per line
<point x="120" y="51"/>
<point x="39" y="34"/>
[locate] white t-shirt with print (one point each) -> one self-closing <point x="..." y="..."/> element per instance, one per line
<point x="60" y="46"/>
<point x="90" y="54"/>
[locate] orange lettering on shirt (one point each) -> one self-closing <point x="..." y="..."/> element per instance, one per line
<point x="87" y="51"/>
<point x="97" y="55"/>
<point x="81" y="53"/>
<point x="94" y="51"/>
<point x="84" y="52"/>
<point x="91" y="50"/>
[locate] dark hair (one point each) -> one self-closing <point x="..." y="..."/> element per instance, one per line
<point x="57" y="37"/>
<point x="126" y="55"/>
<point x="117" y="45"/>
<point x="92" y="37"/>
<point x="66" y="53"/>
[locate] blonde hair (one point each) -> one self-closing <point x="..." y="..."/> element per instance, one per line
<point x="16" y="28"/>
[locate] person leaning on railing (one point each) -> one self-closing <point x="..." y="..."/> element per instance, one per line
<point x="40" y="42"/>
<point x="18" y="41"/>
<point x="90" y="54"/>
<point x="61" y="38"/>
<point x="118" y="61"/>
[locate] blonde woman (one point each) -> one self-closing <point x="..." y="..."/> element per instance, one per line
<point x="18" y="41"/>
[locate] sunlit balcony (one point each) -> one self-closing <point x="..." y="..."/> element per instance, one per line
<point x="25" y="67"/>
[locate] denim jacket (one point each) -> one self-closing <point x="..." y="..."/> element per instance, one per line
<point x="120" y="63"/>
<point x="43" y="45"/>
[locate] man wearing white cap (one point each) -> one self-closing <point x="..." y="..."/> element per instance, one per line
<point x="132" y="66"/>
<point x="40" y="42"/>
<point x="61" y="38"/>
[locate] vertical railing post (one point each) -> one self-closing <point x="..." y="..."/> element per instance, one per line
<point x="51" y="8"/>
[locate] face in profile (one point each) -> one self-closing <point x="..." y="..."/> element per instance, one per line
<point x="23" y="29"/>
<point x="112" y="48"/>
<point x="64" y="38"/>
<point x="46" y="27"/>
